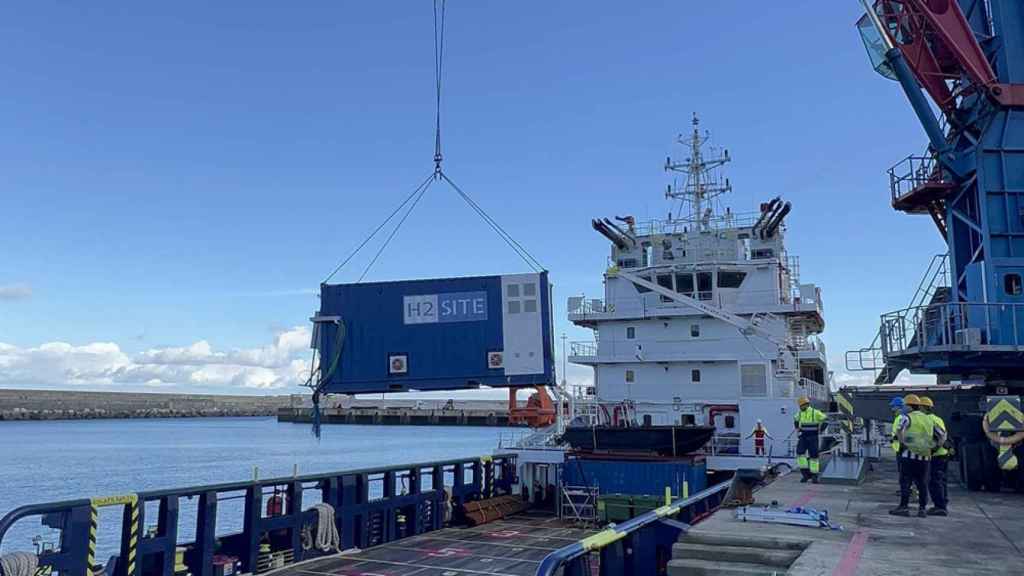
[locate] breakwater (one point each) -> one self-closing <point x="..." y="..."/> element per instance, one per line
<point x="80" y="405"/>
<point x="409" y="413"/>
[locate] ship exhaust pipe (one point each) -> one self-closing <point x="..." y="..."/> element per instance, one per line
<point x="610" y="234"/>
<point x="766" y="210"/>
<point x="773" y="225"/>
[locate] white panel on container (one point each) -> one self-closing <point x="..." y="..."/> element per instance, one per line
<point x="522" y="324"/>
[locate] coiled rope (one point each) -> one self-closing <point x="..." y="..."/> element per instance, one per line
<point x="19" y="564"/>
<point x="327" y="538"/>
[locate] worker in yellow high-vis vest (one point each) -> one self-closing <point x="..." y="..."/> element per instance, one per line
<point x="809" y="422"/>
<point x="918" y="437"/>
<point x="937" y="468"/>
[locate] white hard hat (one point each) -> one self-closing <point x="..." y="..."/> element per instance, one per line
<point x="758" y="420"/>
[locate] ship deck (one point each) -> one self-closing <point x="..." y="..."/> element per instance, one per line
<point x="510" y="547"/>
<point x="984" y="533"/>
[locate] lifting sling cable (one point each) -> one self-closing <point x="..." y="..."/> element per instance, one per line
<point x="408" y="204"/>
<point x="378" y="228"/>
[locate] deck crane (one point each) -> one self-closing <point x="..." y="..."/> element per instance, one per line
<point x="960" y="64"/>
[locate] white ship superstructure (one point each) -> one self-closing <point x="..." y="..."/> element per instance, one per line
<point x="704" y="319"/>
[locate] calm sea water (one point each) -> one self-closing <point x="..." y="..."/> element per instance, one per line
<point x="47" y="461"/>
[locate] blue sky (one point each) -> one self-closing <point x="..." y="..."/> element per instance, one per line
<point x="178" y="178"/>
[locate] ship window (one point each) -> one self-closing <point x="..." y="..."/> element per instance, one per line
<point x="530" y="305"/>
<point x="643" y="289"/>
<point x="630" y="376"/>
<point x="684" y="284"/>
<point x="688" y="419"/>
<point x="1012" y="284"/>
<point x="647" y="420"/>
<point x="730" y="278"/>
<point x="627" y="263"/>
<point x="695" y="376"/>
<point x="753" y="380"/>
<point x="512" y="290"/>
<point x="730" y="421"/>
<point x="665" y="281"/>
<point x="513" y="306"/>
<point x="704" y="285"/>
<point x="761" y="253"/>
<point x="630" y="332"/>
<point x="529" y="289"/>
<point x="695" y="330"/>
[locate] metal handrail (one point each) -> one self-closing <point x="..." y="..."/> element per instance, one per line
<point x="913" y="172"/>
<point x="562" y="557"/>
<point x="937" y="327"/>
<point x="348" y="491"/>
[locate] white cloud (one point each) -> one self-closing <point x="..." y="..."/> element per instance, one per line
<point x="280" y="364"/>
<point x="15" y="291"/>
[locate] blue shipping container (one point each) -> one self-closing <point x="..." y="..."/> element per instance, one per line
<point x="440" y="334"/>
<point x="635" y="478"/>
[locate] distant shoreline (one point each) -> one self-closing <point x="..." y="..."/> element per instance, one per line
<point x="22" y="405"/>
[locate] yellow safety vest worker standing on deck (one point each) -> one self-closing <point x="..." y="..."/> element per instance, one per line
<point x="808" y="421"/>
<point x="918" y="436"/>
<point x="937" y="468"/>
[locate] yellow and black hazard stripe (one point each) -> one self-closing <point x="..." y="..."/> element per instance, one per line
<point x="1004" y="414"/>
<point x="846" y="409"/>
<point x="131" y="501"/>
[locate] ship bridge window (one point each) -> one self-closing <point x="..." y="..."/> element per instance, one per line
<point x="684" y="284"/>
<point x="704" y="285"/>
<point x="1012" y="285"/>
<point x="665" y="281"/>
<point x="626" y="263"/>
<point x="643" y="289"/>
<point x="761" y="253"/>
<point x="730" y="278"/>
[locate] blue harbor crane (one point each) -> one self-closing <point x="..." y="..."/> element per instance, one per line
<point x="961" y="66"/>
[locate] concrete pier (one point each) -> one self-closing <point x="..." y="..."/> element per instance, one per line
<point x="984" y="534"/>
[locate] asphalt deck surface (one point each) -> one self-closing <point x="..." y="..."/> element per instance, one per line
<point x="512" y="547"/>
<point x="983" y="534"/>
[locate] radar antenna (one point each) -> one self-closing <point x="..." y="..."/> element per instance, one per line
<point x="704" y="181"/>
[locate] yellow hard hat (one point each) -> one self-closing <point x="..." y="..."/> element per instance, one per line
<point x="911" y="400"/>
<point x="803" y="401"/>
<point x="926" y="401"/>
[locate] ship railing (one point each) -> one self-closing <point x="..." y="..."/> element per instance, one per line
<point x="953" y="327"/>
<point x="637" y="545"/>
<point x="683" y="226"/>
<point x="584" y="349"/>
<point x="581" y="308"/>
<point x="238" y="520"/>
<point x="730" y="444"/>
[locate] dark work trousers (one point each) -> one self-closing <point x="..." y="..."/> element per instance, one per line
<point x="937" y="482"/>
<point x="808" y="445"/>
<point x="913" y="472"/>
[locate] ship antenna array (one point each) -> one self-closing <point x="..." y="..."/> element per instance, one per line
<point x="703" y="181"/>
<point x="405" y="208"/>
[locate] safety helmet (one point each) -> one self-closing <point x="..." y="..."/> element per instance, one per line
<point x="896" y="402"/>
<point x="911" y="400"/>
<point x="803" y="401"/>
<point x="927" y="402"/>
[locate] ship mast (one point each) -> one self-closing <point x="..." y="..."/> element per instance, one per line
<point x="703" y="181"/>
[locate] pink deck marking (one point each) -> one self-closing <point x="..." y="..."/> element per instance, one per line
<point x="851" y="556"/>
